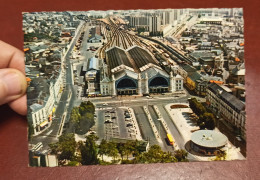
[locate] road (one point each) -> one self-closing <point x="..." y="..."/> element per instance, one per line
<point x="146" y="130"/>
<point x="162" y="132"/>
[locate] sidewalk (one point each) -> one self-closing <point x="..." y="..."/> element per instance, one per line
<point x="155" y="130"/>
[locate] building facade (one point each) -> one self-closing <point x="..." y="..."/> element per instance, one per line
<point x="135" y="71"/>
<point x="227" y="106"/>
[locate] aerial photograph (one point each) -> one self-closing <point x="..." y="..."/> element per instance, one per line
<point x="135" y="86"/>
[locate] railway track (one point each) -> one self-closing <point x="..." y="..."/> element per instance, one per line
<point x="118" y="37"/>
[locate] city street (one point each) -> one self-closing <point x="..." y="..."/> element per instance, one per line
<point x="65" y="105"/>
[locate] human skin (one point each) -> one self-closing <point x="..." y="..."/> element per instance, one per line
<point x="12" y="78"/>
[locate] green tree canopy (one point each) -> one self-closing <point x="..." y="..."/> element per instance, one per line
<point x="181" y="155"/>
<point x="112" y="150"/>
<point x="103" y="148"/>
<point x="65" y="148"/>
<point x="207" y="121"/>
<point x="89" y="151"/>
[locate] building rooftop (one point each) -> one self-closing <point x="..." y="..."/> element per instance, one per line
<point x="228" y="98"/>
<point x="201" y="54"/>
<point x="209" y="138"/>
<point x="93" y="64"/>
<point x="195" y="76"/>
<point x="35" y="107"/>
<point x="125" y="72"/>
<point x="153" y="71"/>
<point x="140" y="56"/>
<point x="187" y="68"/>
<point x="116" y="57"/>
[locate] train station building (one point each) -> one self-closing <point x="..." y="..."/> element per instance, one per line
<point x="136" y="71"/>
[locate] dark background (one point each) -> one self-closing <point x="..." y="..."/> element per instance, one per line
<point x="13" y="128"/>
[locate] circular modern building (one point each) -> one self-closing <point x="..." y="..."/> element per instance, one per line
<point x="207" y="142"/>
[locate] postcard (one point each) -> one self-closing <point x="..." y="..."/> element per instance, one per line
<point x="135" y="86"/>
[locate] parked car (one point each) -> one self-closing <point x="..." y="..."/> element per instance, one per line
<point x="129" y="124"/>
<point x="108" y="121"/>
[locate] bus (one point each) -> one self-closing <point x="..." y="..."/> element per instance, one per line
<point x="170" y="139"/>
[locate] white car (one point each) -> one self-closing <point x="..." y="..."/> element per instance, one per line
<point x="105" y="104"/>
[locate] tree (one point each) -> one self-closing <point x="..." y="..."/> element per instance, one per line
<point x="122" y="150"/>
<point x="112" y="150"/>
<point x="220" y="155"/>
<point x="67" y="144"/>
<point x="65" y="148"/>
<point x="168" y="157"/>
<point x="199" y="16"/>
<point x="181" y="155"/>
<point x="86" y="107"/>
<point x="196" y="106"/>
<point x="89" y="151"/>
<point x="83" y="117"/>
<point x="86" y="122"/>
<point x="129" y="148"/>
<point x="75" y="115"/>
<point x="155" y="154"/>
<point x="103" y="148"/>
<point x="206" y="121"/>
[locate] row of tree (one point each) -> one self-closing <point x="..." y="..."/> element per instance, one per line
<point x="82" y="117"/>
<point x="206" y="119"/>
<point x="71" y="153"/>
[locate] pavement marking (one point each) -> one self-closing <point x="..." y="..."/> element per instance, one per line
<point x="48" y="133"/>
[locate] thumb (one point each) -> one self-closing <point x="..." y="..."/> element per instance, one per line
<point x="12" y="85"/>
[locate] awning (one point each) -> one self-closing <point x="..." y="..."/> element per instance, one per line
<point x="44" y="123"/>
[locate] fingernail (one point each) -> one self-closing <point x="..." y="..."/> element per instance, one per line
<point x="13" y="84"/>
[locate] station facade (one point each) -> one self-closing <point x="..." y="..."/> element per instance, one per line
<point x="135" y="72"/>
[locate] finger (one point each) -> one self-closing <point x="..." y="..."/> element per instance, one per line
<point x="19" y="105"/>
<point x="11" y="57"/>
<point x="12" y="85"/>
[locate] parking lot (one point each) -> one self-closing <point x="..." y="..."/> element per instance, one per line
<point x="116" y="122"/>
